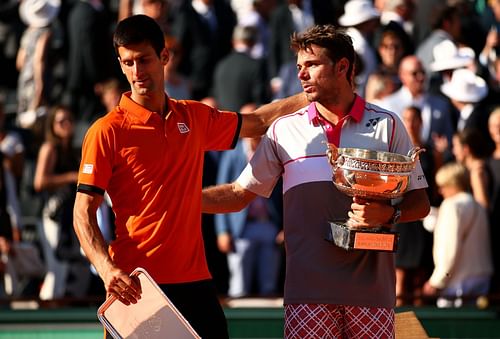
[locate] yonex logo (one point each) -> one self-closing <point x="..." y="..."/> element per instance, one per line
<point x="182" y="127"/>
<point x="372" y="122"/>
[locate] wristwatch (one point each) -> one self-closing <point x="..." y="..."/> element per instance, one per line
<point x="395" y="216"/>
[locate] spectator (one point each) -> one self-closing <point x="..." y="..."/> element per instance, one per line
<point x="422" y="21"/>
<point x="159" y="10"/>
<point x="400" y="12"/>
<point x="91" y="59"/>
<point x="488" y="55"/>
<point x="362" y="20"/>
<point x="397" y="15"/>
<point x="461" y="250"/>
<point x="11" y="30"/>
<point x="445" y="26"/>
<point x="494" y="211"/>
<point x="68" y="272"/>
<point x="436" y="111"/>
<point x="490" y="15"/>
<point x="488" y="59"/>
<point x="293" y="16"/>
<point x="6" y="236"/>
<point x="21" y="266"/>
<point x="414" y="254"/>
<point x="471" y="150"/>
<point x="472" y="32"/>
<point x="33" y="60"/>
<point x="109" y="91"/>
<point x="287" y="82"/>
<point x="249" y="237"/>
<point x="466" y="92"/>
<point x="259" y="16"/>
<point x="391" y="50"/>
<point x="447" y="58"/>
<point x="177" y="85"/>
<point x="379" y="85"/>
<point x="240" y="79"/>
<point x="12" y="149"/>
<point x="204" y="29"/>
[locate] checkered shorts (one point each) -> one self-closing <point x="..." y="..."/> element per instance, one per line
<point x="327" y="321"/>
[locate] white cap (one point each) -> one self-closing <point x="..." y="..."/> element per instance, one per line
<point x="448" y="57"/>
<point x="465" y="86"/>
<point x="39" y="13"/>
<point x="358" y="11"/>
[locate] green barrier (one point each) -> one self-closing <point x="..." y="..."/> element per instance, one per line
<point x="82" y="323"/>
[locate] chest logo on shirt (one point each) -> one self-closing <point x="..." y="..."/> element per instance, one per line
<point x="182" y="127"/>
<point x="372" y="122"/>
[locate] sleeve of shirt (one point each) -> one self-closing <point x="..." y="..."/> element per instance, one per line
<point x="223" y="129"/>
<point x="445" y="248"/>
<point x="97" y="158"/>
<point x="402" y="144"/>
<point x="264" y="169"/>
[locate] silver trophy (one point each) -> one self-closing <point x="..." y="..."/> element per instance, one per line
<point x="371" y="175"/>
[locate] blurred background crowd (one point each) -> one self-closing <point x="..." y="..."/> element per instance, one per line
<point x="434" y="63"/>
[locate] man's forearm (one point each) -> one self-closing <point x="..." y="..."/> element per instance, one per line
<point x="225" y="198"/>
<point x="415" y="206"/>
<point x="91" y="238"/>
<point x="256" y="123"/>
<point x="94" y="246"/>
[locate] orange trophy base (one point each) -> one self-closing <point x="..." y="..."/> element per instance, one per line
<point x="367" y="239"/>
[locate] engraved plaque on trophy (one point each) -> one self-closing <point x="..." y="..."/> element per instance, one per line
<point x="370" y="175"/>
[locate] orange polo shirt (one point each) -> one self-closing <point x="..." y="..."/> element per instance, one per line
<point x="151" y="167"/>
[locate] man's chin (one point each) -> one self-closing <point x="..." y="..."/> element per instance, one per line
<point x="142" y="91"/>
<point x="310" y="97"/>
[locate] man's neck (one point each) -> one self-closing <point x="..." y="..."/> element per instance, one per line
<point x="335" y="111"/>
<point x="154" y="103"/>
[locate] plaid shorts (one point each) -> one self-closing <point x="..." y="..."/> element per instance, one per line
<point x="327" y="321"/>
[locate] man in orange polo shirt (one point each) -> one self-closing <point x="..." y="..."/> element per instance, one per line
<point x="147" y="154"/>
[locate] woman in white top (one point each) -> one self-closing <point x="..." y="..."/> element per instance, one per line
<point x="461" y="250"/>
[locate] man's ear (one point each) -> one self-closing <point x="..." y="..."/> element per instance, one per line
<point x="165" y="56"/>
<point x="342" y="65"/>
<point x="120" y="63"/>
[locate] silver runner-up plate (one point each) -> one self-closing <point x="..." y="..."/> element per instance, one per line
<point x="153" y="316"/>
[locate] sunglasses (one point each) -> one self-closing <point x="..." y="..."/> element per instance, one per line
<point x="417" y="72"/>
<point x="63" y="120"/>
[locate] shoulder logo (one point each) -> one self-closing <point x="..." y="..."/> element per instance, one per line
<point x="87" y="168"/>
<point x="182" y="127"/>
<point x="372" y="122"/>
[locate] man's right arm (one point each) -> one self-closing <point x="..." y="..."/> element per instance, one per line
<point x="116" y="282"/>
<point x="225" y="198"/>
<point x="256" y="123"/>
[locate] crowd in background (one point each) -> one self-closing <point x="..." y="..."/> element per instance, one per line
<point x="434" y="63"/>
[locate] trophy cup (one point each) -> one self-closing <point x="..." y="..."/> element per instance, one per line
<point x="371" y="175"/>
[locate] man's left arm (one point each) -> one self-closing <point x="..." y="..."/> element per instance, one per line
<point x="414" y="206"/>
<point x="256" y="123"/>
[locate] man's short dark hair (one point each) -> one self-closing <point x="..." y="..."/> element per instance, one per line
<point x="335" y="40"/>
<point x="137" y="29"/>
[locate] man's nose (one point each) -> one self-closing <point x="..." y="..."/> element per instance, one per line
<point x="302" y="74"/>
<point x="137" y="68"/>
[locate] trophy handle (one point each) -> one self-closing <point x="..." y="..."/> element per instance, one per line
<point x="332" y="154"/>
<point x="415" y="152"/>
